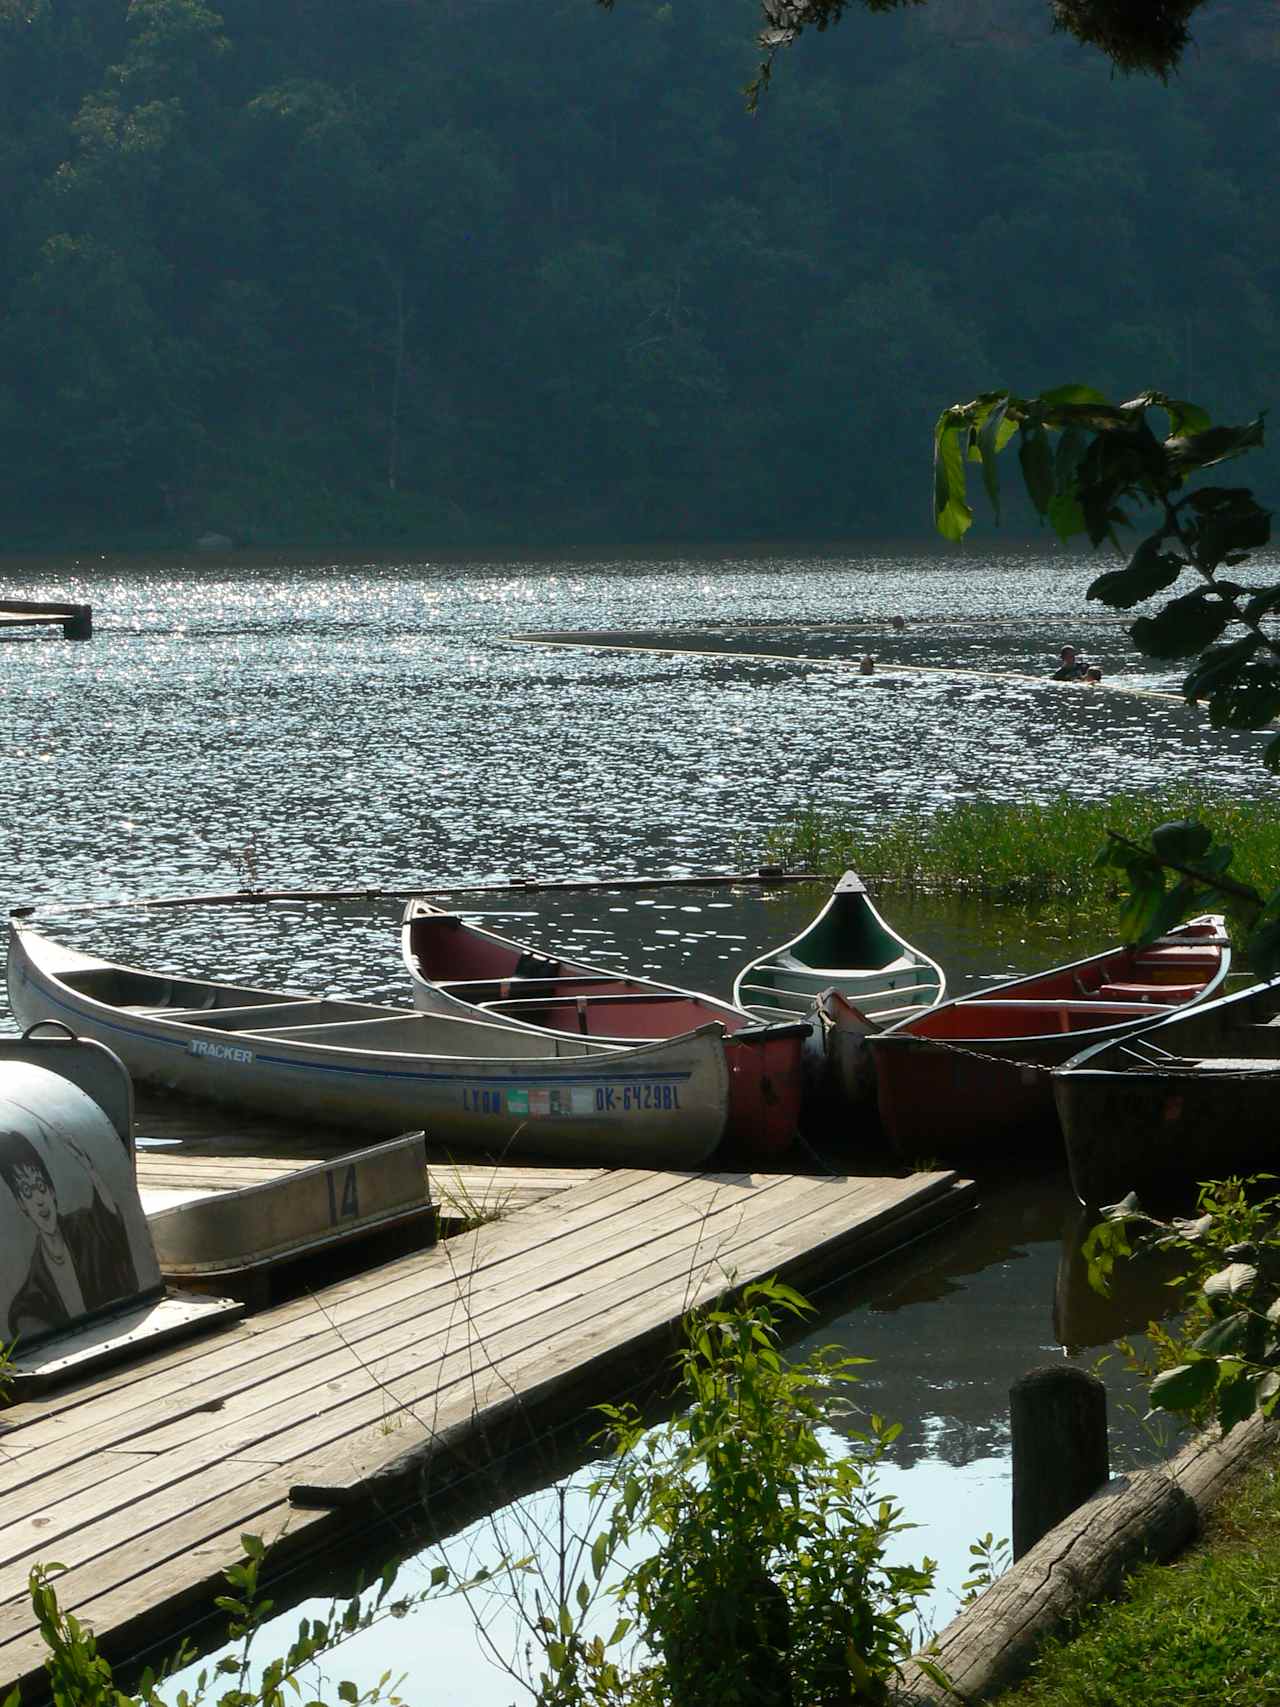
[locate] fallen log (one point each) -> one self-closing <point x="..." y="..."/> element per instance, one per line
<point x="1148" y="1515"/>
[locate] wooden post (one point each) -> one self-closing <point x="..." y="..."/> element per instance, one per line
<point x="1058" y="1420"/>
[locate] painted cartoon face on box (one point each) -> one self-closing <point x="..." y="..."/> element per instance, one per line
<point x="74" y="1241"/>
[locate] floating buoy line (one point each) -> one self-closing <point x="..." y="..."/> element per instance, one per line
<point x="849" y="666"/>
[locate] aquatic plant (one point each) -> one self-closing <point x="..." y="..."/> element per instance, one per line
<point x="1021" y="851"/>
<point x="769" y="1583"/>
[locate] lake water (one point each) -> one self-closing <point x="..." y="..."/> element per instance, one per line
<point x="377" y="725"/>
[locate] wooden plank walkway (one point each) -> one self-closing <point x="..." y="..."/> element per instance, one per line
<point x="345" y="1402"/>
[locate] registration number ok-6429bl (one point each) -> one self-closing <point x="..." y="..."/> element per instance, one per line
<point x="541" y="1102"/>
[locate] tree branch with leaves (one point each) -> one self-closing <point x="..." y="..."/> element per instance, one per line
<point x="1093" y="467"/>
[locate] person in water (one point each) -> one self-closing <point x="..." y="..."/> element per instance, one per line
<point x="1093" y="675"/>
<point x="82" y="1259"/>
<point x="868" y="665"/>
<point x="1070" y="668"/>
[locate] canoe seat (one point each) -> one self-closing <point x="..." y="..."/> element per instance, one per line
<point x="264" y="1014"/>
<point x="531" y="964"/>
<point x="776" y="996"/>
<point x="788" y="963"/>
<point x="571" y="1002"/>
<point x="1179" y="959"/>
<point x="1170" y="993"/>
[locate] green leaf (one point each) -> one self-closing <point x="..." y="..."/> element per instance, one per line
<point x="1036" y="459"/>
<point x="1249" y="697"/>
<point x="989" y="442"/>
<point x="1236" y="1277"/>
<point x="1219" y="665"/>
<point x="1184" y="626"/>
<point x="1189" y="451"/>
<point x="1186" y="418"/>
<point x="1237" y="1400"/>
<point x="1263" y="947"/>
<point x="1072" y="444"/>
<point x="1066" y="517"/>
<point x="1150" y="570"/>
<point x="1230" y="523"/>
<point x="1185" y="1387"/>
<point x="951" y="514"/>
<point x="1181" y="842"/>
<point x="1262" y="603"/>
<point x="1062" y="394"/>
<point x="1226" y="1335"/>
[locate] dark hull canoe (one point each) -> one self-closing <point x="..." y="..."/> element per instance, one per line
<point x="973" y="1075"/>
<point x="457" y="968"/>
<point x="848" y="948"/>
<point x="1193" y="1098"/>
<point x="379" y="1071"/>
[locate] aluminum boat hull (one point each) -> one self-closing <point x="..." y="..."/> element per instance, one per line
<point x="378" y="1071"/>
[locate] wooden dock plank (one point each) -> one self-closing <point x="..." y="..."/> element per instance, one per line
<point x="143" y="1482"/>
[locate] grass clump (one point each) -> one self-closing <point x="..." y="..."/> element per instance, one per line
<point x="1203" y="1631"/>
<point x="1028" y="851"/>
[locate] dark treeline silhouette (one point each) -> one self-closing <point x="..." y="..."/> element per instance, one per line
<point x="484" y="273"/>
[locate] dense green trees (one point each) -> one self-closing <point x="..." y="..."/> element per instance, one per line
<point x="304" y="274"/>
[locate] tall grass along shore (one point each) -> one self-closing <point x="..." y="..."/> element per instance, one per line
<point x="1021" y="852"/>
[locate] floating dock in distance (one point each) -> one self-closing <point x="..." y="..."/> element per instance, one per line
<point x="75" y="621"/>
<point x="334" y="1407"/>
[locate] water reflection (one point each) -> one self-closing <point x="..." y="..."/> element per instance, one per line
<point x="950" y="1325"/>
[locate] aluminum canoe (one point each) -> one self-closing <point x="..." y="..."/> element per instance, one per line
<point x="1194" y="1097"/>
<point x="849" y="948"/>
<point x="973" y="1074"/>
<point x="458" y="968"/>
<point x="378" y="1071"/>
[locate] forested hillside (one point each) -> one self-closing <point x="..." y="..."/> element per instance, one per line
<point x="473" y="271"/>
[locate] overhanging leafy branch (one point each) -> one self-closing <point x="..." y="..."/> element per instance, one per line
<point x="1091" y="466"/>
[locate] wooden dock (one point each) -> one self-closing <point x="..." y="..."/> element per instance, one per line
<point x="75" y="621"/>
<point x="348" y="1402"/>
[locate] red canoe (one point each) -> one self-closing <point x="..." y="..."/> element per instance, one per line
<point x="459" y="968"/>
<point x="974" y="1073"/>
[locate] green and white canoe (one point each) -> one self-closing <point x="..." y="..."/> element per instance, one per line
<point x="850" y="949"/>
